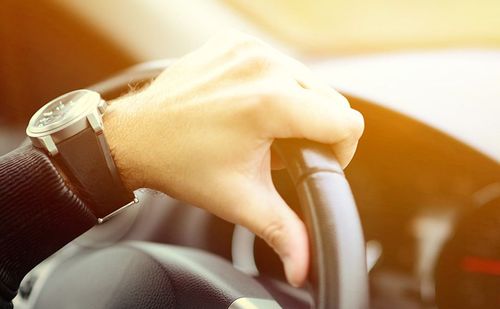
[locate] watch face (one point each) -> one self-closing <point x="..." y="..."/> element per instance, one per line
<point x="62" y="111"/>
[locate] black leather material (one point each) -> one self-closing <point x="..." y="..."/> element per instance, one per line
<point x="147" y="275"/>
<point x="83" y="157"/>
<point x="339" y="276"/>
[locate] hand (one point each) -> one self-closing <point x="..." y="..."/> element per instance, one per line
<point x="202" y="133"/>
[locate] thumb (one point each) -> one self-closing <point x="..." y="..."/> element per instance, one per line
<point x="269" y="217"/>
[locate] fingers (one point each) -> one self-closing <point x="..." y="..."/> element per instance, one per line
<point x="306" y="114"/>
<point x="267" y="215"/>
<point x="285" y="233"/>
<point x="305" y="78"/>
<point x="322" y="114"/>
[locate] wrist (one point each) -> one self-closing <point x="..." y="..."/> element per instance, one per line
<point x="117" y="121"/>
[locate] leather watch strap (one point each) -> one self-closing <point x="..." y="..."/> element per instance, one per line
<point x="84" y="157"/>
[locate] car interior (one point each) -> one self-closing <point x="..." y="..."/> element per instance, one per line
<point x="412" y="222"/>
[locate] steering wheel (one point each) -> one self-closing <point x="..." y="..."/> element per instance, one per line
<point x="338" y="275"/>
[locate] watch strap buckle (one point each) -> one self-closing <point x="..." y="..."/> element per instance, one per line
<point x="119" y="210"/>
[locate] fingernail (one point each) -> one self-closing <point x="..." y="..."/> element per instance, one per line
<point x="289" y="272"/>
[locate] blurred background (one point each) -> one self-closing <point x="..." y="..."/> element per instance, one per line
<point x="48" y="47"/>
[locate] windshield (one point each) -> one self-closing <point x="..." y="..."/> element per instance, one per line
<point x="328" y="27"/>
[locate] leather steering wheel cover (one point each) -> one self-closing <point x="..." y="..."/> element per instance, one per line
<point x="339" y="276"/>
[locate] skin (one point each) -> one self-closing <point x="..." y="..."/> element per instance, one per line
<point x="202" y="133"/>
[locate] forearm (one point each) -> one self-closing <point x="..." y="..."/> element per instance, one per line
<point x="40" y="214"/>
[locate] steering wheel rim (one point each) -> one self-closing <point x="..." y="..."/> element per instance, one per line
<point x="338" y="276"/>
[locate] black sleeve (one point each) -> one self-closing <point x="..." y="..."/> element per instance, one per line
<point x="39" y="214"/>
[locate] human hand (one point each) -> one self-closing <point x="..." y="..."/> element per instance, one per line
<point x="202" y="133"/>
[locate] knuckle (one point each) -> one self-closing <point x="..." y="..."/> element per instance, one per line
<point x="257" y="105"/>
<point x="258" y="114"/>
<point x="257" y="61"/>
<point x="274" y="234"/>
<point x="268" y="100"/>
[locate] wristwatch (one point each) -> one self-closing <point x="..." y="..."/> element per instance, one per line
<point x="70" y="130"/>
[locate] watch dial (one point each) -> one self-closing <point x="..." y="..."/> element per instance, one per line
<point x="60" y="111"/>
<point x="54" y="114"/>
